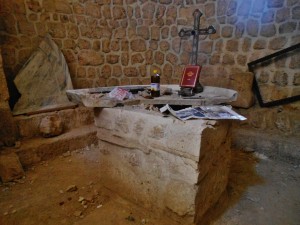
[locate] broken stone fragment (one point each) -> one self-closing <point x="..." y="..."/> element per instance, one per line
<point x="67" y="154"/>
<point x="77" y="213"/>
<point x="80" y="199"/>
<point x="72" y="188"/>
<point x="17" y="144"/>
<point x="10" y="167"/>
<point x="130" y="218"/>
<point x="51" y="126"/>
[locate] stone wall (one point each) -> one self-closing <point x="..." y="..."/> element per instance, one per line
<point x="120" y="42"/>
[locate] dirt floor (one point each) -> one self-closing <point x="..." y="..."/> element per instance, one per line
<point x="63" y="191"/>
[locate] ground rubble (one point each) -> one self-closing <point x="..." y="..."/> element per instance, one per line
<point x="68" y="190"/>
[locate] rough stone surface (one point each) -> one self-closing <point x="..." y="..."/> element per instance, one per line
<point x="10" y="167"/>
<point x="152" y="158"/>
<point x="51" y="126"/>
<point x="35" y="150"/>
<point x="28" y="126"/>
<point x="156" y="25"/>
<point x="7" y="135"/>
<point x="267" y="143"/>
<point x="240" y="82"/>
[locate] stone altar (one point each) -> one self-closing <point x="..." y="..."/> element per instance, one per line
<point x="170" y="166"/>
<point x="173" y="167"/>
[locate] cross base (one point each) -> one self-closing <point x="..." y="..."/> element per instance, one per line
<point x="184" y="91"/>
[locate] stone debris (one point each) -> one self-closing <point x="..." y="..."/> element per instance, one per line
<point x="72" y="188"/>
<point x="20" y="181"/>
<point x="80" y="199"/>
<point x="144" y="221"/>
<point x="261" y="156"/>
<point x="61" y="203"/>
<point x="130" y="218"/>
<point x="66" y="154"/>
<point x="89" y="199"/>
<point x="253" y="199"/>
<point x="99" y="206"/>
<point x="77" y="213"/>
<point x="17" y="144"/>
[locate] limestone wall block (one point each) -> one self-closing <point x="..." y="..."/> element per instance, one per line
<point x="130" y="72"/>
<point x="8" y="132"/>
<point x="89" y="57"/>
<point x="252" y="27"/>
<point x="92" y="9"/>
<point x="57" y="30"/>
<point x="51" y="126"/>
<point x="62" y="6"/>
<point x="296" y="12"/>
<point x="10" y="167"/>
<point x="268" y="30"/>
<point x="275" y="3"/>
<point x="159" y="57"/>
<point x="28" y="126"/>
<point x="137" y="58"/>
<point x="119" y="12"/>
<point x="112" y="59"/>
<point x="138" y="45"/>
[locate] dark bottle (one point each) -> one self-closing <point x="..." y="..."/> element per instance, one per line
<point x="155" y="84"/>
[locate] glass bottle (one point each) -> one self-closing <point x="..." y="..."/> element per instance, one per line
<point x="155" y="84"/>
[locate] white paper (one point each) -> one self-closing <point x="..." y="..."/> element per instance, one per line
<point x="215" y="112"/>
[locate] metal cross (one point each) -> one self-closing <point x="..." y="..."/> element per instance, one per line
<point x="196" y="32"/>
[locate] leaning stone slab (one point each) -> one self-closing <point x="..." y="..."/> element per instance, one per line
<point x="10" y="167"/>
<point x="43" y="80"/>
<point x="166" y="165"/>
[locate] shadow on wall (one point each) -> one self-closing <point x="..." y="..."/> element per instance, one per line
<point x="14" y="94"/>
<point x="242" y="175"/>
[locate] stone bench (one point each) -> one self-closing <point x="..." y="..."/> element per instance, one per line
<point x="173" y="167"/>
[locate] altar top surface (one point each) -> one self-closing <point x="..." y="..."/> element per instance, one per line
<point x="97" y="97"/>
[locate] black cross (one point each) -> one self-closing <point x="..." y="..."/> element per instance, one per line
<point x="196" y="32"/>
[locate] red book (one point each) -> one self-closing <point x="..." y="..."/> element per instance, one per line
<point x="190" y="76"/>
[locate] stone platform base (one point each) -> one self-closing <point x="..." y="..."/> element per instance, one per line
<point x="169" y="166"/>
<point x="273" y="145"/>
<point x="34" y="150"/>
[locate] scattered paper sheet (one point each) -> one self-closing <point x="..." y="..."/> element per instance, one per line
<point x="119" y="93"/>
<point x="215" y="112"/>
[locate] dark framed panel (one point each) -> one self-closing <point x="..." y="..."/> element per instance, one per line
<point x="277" y="77"/>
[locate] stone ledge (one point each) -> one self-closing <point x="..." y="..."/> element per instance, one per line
<point x="35" y="150"/>
<point x="273" y="145"/>
<point x="28" y="126"/>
